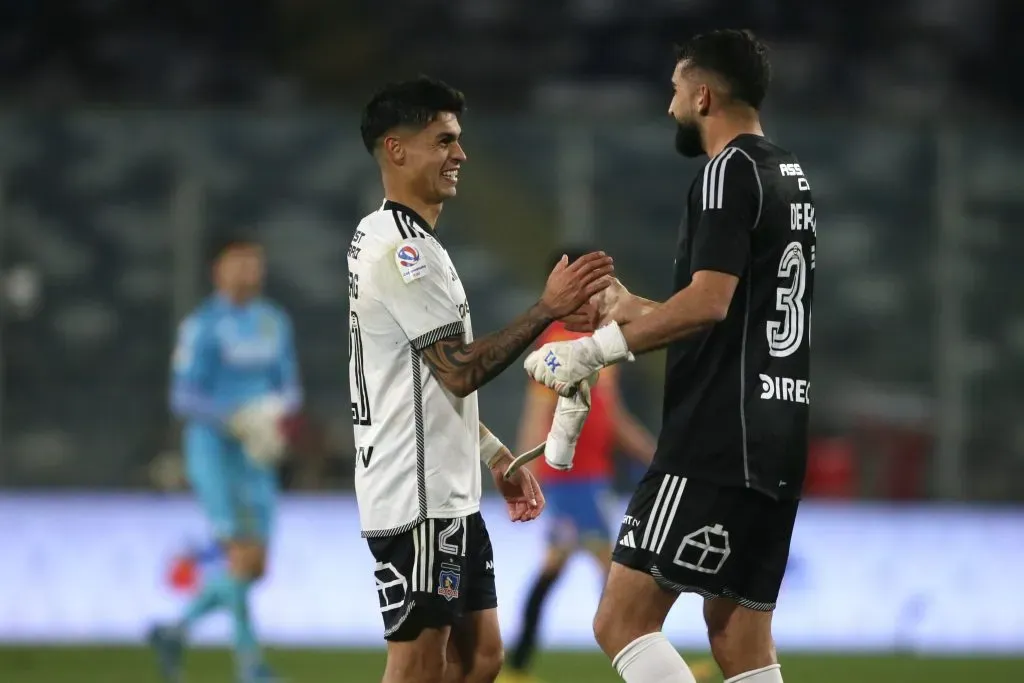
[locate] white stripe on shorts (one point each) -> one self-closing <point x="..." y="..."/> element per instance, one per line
<point x="663" y="513"/>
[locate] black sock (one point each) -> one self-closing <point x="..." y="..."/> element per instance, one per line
<point x="527" y="643"/>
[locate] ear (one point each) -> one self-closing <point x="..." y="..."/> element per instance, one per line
<point x="394" y="149"/>
<point x="703" y="99"/>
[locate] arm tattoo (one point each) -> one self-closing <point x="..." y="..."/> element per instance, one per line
<point x="464" y="368"/>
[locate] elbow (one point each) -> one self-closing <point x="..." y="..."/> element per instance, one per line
<point x="717" y="308"/>
<point x="717" y="312"/>
<point x="458" y="384"/>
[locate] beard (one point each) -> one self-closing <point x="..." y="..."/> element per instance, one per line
<point x="688" y="141"/>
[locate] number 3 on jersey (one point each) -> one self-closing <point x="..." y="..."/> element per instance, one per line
<point x="361" y="401"/>
<point x="785" y="336"/>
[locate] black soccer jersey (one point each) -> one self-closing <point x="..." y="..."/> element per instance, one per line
<point x="737" y="395"/>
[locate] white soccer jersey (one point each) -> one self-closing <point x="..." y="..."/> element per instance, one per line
<point x="417" y="444"/>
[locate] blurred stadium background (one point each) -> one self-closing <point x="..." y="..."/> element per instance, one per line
<point x="133" y="134"/>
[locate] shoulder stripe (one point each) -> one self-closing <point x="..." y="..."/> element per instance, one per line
<point x="398" y="224"/>
<point x="406" y="225"/>
<point x="714" y="179"/>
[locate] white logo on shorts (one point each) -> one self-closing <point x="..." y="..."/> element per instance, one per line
<point x="705" y="550"/>
<point x="391" y="586"/>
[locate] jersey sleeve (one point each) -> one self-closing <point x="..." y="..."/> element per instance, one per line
<point x="192" y="368"/>
<point x="413" y="283"/>
<point x="731" y="203"/>
<point x="194" y="353"/>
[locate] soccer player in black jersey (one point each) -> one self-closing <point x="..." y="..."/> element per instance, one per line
<point x="714" y="514"/>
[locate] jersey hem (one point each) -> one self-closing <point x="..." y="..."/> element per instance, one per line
<point x="452" y="514"/>
<point x="395" y="531"/>
<point x="774" y="494"/>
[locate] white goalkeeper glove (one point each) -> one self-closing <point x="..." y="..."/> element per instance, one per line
<point x="257" y="425"/>
<point x="570" y="416"/>
<point x="563" y="365"/>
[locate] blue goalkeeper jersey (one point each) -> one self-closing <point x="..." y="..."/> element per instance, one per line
<point x="228" y="354"/>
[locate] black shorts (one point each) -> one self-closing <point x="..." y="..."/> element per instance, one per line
<point x="430" y="576"/>
<point x="717" y="541"/>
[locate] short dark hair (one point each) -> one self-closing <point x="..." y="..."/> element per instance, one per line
<point x="573" y="252"/>
<point x="738" y="57"/>
<point x="414" y="103"/>
<point x="223" y="245"/>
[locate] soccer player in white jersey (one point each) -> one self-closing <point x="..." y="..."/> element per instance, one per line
<point x="414" y="370"/>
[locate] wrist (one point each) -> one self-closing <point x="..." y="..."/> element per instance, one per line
<point x="492" y="451"/>
<point x="501" y="461"/>
<point x="543" y="312"/>
<point x="612" y="344"/>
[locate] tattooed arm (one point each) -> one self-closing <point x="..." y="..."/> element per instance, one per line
<point x="463" y="368"/>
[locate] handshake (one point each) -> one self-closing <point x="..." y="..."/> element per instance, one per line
<point x="571" y="369"/>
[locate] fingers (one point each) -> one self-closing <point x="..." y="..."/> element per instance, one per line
<point x="580" y="324"/>
<point x="583" y="319"/>
<point x="520" y="510"/>
<point x="604" y="270"/>
<point x="528" y="506"/>
<point x="594" y="265"/>
<point x="516" y="510"/>
<point x="529" y="486"/>
<point x="596" y="286"/>
<point x="580" y="316"/>
<point x="542" y="502"/>
<point x="562" y="264"/>
<point x="589" y="261"/>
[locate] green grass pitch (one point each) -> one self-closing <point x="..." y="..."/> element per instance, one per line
<point x="135" y="665"/>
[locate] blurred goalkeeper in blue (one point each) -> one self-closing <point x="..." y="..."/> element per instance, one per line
<point x="235" y="384"/>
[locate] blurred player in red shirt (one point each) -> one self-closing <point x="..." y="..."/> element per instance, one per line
<point x="574" y="498"/>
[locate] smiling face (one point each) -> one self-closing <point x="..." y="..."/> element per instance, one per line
<point x="430" y="158"/>
<point x="412" y="128"/>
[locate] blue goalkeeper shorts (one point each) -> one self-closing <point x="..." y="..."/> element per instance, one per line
<point x="237" y="496"/>
<point x="574" y="511"/>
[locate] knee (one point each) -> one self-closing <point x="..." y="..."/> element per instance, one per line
<point x="608" y="631"/>
<point x="741" y="647"/>
<point x="431" y="672"/>
<point x="724" y="644"/>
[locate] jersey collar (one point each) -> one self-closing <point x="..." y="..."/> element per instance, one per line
<point x="390" y="205"/>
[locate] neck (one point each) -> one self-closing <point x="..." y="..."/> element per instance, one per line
<point x="235" y="298"/>
<point x="719" y="132"/>
<point x="430" y="211"/>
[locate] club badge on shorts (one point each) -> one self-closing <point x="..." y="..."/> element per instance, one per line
<point x="448" y="582"/>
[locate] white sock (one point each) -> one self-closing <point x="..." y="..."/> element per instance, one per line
<point x="767" y="674"/>
<point x="652" y="659"/>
